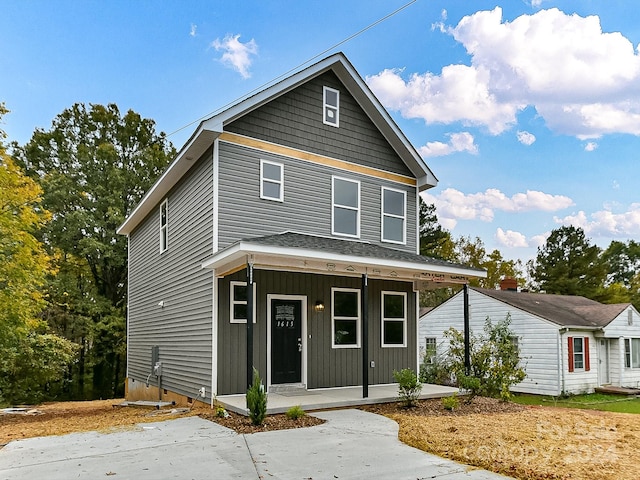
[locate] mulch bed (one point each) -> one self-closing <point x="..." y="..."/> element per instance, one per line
<point x="241" y="424"/>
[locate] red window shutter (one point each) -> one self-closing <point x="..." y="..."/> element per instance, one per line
<point x="570" y="353"/>
<point x="587" y="366"/>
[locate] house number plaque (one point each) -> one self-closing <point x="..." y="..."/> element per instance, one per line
<point x="285" y="317"/>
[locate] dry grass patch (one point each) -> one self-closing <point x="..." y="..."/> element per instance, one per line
<point x="526" y="442"/>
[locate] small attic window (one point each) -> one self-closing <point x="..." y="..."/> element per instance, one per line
<point x="331" y="100"/>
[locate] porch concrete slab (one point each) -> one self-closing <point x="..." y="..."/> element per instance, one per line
<point x="351" y="444"/>
<point x="327" y="398"/>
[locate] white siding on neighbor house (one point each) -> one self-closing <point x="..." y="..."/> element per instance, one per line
<point x="580" y="380"/>
<point x="537" y="338"/>
<point x="617" y="331"/>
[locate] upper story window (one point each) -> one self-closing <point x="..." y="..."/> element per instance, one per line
<point x="164" y="226"/>
<point x="394" y="319"/>
<point x="345" y="317"/>
<point x="238" y="302"/>
<point x="346" y="207"/>
<point x="271" y="180"/>
<point x="331" y="100"/>
<point x="394" y="215"/>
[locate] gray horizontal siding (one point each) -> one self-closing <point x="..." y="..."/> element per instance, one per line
<point x="295" y="120"/>
<point x="326" y="366"/>
<point x="307" y="199"/>
<point x="182" y="328"/>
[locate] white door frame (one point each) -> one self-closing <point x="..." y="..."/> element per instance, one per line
<point x="604" y="374"/>
<point x="303" y="299"/>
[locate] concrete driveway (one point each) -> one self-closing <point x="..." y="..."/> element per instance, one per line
<point x="351" y="445"/>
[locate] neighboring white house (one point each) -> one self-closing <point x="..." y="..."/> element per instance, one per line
<point x="568" y="344"/>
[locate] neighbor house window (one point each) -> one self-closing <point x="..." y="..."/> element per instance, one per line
<point x="430" y="350"/>
<point x="331" y="100"/>
<point x="238" y="302"/>
<point x="345" y="317"/>
<point x="346" y="207"/>
<point x="632" y="352"/>
<point x="394" y="319"/>
<point x="271" y="180"/>
<point x="578" y="353"/>
<point x="164" y="226"/>
<point x="393" y="215"/>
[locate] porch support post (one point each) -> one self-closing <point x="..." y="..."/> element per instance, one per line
<point x="365" y="336"/>
<point x="467" y="331"/>
<point x="250" y="301"/>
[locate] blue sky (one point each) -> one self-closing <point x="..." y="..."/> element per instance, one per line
<point x="528" y="112"/>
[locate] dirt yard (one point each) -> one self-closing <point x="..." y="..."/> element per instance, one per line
<point x="520" y="441"/>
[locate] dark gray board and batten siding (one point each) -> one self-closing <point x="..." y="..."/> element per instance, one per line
<point x="326" y="366"/>
<point x="182" y="328"/>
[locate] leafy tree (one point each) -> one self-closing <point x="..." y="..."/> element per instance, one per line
<point x="94" y="165"/>
<point x="622" y="261"/>
<point x="495" y="359"/>
<point x="473" y="253"/>
<point x="435" y="241"/>
<point x="30" y="357"/>
<point x="568" y="264"/>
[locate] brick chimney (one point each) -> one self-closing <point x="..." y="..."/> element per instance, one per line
<point x="509" y="284"/>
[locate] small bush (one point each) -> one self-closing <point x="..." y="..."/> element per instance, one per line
<point x="451" y="403"/>
<point x="221" y="412"/>
<point x="294" y="413"/>
<point x="409" y="386"/>
<point x="257" y="400"/>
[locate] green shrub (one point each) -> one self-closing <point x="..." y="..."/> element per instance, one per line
<point x="451" y="403"/>
<point x="257" y="400"/>
<point x="409" y="386"/>
<point x="294" y="413"/>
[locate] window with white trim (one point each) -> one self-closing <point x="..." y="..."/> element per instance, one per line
<point x="271" y="180"/>
<point x="430" y="350"/>
<point x="345" y="207"/>
<point x="632" y="352"/>
<point x="578" y="353"/>
<point x="164" y="225"/>
<point x="331" y="106"/>
<point x="238" y="302"/>
<point x="394" y="215"/>
<point x="345" y="317"/>
<point x="394" y="319"/>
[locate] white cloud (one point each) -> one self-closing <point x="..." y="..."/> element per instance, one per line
<point x="590" y="147"/>
<point x="458" y="142"/>
<point x="539" y="240"/>
<point x="453" y="205"/>
<point x="606" y="223"/>
<point x="194" y="28"/>
<point x="526" y="138"/>
<point x="237" y="55"/>
<point x="584" y="82"/>
<point x="511" y="239"/>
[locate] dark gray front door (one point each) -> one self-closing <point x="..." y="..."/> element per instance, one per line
<point x="286" y="341"/>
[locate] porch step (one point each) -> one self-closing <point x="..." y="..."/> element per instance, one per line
<point x="617" y="390"/>
<point x="288" y="389"/>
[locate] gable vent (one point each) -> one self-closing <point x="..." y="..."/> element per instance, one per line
<point x="630" y="317"/>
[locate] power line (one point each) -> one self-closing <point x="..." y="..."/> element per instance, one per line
<point x="285" y="74"/>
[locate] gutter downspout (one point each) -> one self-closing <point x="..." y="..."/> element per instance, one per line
<point x="467" y="331"/>
<point x="561" y="376"/>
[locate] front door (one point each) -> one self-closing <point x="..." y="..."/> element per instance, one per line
<point x="603" y="362"/>
<point x="286" y="341"/>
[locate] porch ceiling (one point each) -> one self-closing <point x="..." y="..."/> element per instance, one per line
<point x="294" y="252"/>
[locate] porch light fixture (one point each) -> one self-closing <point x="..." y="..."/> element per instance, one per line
<point x="319" y="306"/>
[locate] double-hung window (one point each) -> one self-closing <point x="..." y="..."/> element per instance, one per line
<point x="346" y="207"/>
<point x="271" y="180"/>
<point x="164" y="226"/>
<point x="331" y="111"/>
<point x="430" y="350"/>
<point x="632" y="352"/>
<point x="345" y="317"/>
<point x="578" y="353"/>
<point x="394" y="215"/>
<point x="238" y="302"/>
<point x="394" y="319"/>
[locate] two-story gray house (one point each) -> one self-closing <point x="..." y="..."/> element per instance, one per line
<point x="284" y="236"/>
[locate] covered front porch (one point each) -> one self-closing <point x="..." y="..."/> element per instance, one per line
<point x="326" y="398"/>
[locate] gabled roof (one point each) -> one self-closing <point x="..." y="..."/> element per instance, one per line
<point x="210" y="129"/>
<point x="563" y="310"/>
<point x="301" y="252"/>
